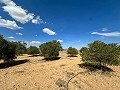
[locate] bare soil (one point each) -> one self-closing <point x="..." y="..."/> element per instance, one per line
<point x="38" y="74"/>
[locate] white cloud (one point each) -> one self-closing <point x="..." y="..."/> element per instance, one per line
<point x="48" y="31"/>
<point x="19" y="34"/>
<point x="113" y="34"/>
<point x="9" y="24"/>
<point x="104" y="29"/>
<point x="38" y="20"/>
<point x="34" y="42"/>
<point x="60" y="41"/>
<point x="18" y="13"/>
<point x="11" y="37"/>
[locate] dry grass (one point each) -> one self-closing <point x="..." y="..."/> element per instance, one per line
<point x="38" y="74"/>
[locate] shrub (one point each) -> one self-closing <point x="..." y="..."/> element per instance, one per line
<point x="20" y="47"/>
<point x="72" y="52"/>
<point x="32" y="50"/>
<point x="7" y="50"/>
<point x="101" y="54"/>
<point x="50" y="50"/>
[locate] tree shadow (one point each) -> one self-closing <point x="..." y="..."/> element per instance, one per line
<point x="93" y="67"/>
<point x="12" y="63"/>
<point x="53" y="59"/>
<point x="36" y="55"/>
<point x="72" y="56"/>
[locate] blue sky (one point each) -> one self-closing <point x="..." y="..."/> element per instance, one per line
<point x="72" y="22"/>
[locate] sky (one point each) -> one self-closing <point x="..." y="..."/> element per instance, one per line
<point x="74" y="23"/>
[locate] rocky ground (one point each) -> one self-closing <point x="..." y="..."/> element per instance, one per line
<point x="37" y="74"/>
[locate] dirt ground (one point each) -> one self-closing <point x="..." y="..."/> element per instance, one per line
<point x="38" y="74"/>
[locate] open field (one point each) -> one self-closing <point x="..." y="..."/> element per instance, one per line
<point x="38" y="74"/>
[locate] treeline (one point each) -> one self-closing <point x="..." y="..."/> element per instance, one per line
<point x="97" y="53"/>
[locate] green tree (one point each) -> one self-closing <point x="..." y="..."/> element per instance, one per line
<point x="84" y="52"/>
<point x="50" y="50"/>
<point x="20" y="47"/>
<point x="32" y="50"/>
<point x="72" y="52"/>
<point x="101" y="54"/>
<point x="7" y="50"/>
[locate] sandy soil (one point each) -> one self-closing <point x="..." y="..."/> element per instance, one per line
<point x="38" y="74"/>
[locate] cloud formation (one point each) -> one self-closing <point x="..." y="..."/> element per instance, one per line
<point x="112" y="34"/>
<point x="9" y="24"/>
<point x="60" y="41"/>
<point x="18" y="13"/>
<point x="11" y="37"/>
<point x="19" y="34"/>
<point x="34" y="42"/>
<point x="104" y="29"/>
<point x="48" y="31"/>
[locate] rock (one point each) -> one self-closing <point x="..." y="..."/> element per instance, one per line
<point x="61" y="83"/>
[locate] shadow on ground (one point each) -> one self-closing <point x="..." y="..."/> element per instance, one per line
<point x="92" y="67"/>
<point x="13" y="63"/>
<point x="72" y="56"/>
<point x="34" y="55"/>
<point x="47" y="59"/>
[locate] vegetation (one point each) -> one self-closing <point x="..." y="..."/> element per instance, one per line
<point x="101" y="54"/>
<point x="72" y="52"/>
<point x="7" y="50"/>
<point x="32" y="50"/>
<point x="50" y="50"/>
<point x="20" y="47"/>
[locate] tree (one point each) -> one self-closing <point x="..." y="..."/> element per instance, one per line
<point x="20" y="47"/>
<point x="101" y="54"/>
<point x="32" y="50"/>
<point x="7" y="50"/>
<point x="84" y="52"/>
<point x="50" y="50"/>
<point x="72" y="52"/>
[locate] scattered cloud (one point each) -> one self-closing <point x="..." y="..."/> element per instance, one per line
<point x="113" y="34"/>
<point x="38" y="20"/>
<point x="9" y="24"/>
<point x="34" y="42"/>
<point x="48" y="31"/>
<point x="104" y="29"/>
<point x="11" y="37"/>
<point x="19" y="34"/>
<point x="60" y="41"/>
<point x="18" y="13"/>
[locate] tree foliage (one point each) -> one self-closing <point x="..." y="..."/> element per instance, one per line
<point x="32" y="50"/>
<point x="7" y="50"/>
<point x="101" y="54"/>
<point x="50" y="50"/>
<point x="72" y="52"/>
<point x="20" y="47"/>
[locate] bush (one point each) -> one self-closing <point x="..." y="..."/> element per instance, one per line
<point x="101" y="54"/>
<point x="32" y="50"/>
<point x="7" y="50"/>
<point x="72" y="52"/>
<point x="20" y="47"/>
<point x="50" y="50"/>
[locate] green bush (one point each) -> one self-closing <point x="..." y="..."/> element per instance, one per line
<point x="7" y="50"/>
<point x="101" y="54"/>
<point x="50" y="50"/>
<point x="32" y="50"/>
<point x="20" y="47"/>
<point x="72" y="52"/>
